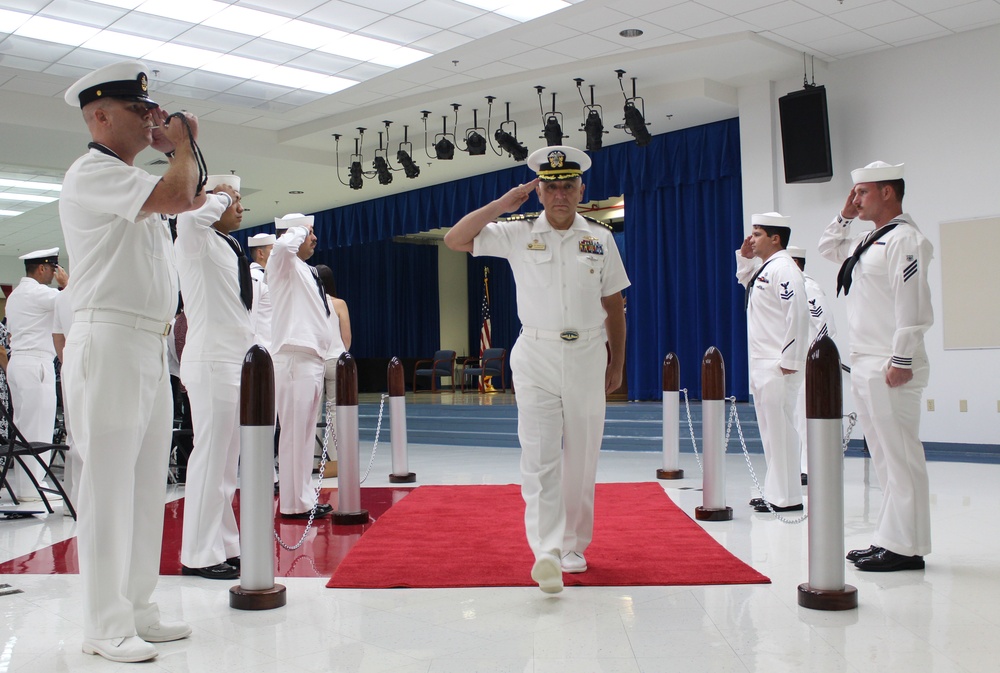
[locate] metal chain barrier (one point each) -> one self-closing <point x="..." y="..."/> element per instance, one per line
<point x="327" y="433"/>
<point x="852" y="419"/>
<point x="733" y="416"/>
<point x="694" y="443"/>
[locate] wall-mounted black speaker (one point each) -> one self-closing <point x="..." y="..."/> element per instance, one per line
<point x="805" y="135"/>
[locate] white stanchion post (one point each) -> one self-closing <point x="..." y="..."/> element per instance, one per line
<point x="397" y="424"/>
<point x="349" y="511"/>
<point x="671" y="419"/>
<point x="713" y="439"/>
<point x="257" y="590"/>
<point x="825" y="589"/>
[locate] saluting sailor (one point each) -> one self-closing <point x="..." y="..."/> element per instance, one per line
<point x="569" y="279"/>
<point x="884" y="275"/>
<point x="260" y="316"/>
<point x="778" y="338"/>
<point x="115" y="372"/>
<point x="215" y="282"/>
<point x="31" y="374"/>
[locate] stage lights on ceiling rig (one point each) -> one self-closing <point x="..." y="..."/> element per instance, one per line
<point x="404" y="157"/>
<point x="593" y="125"/>
<point x="475" y="143"/>
<point x="552" y="129"/>
<point x="635" y="122"/>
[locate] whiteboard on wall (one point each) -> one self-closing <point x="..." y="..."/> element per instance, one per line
<point x="970" y="279"/>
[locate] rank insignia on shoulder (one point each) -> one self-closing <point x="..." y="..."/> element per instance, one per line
<point x="591" y="246"/>
<point x="536" y="245"/>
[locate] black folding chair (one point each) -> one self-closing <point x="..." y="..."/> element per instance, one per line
<point x="15" y="447"/>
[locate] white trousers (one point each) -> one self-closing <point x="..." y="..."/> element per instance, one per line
<point x="118" y="389"/>
<point x="800" y="429"/>
<point x="298" y="384"/>
<point x="890" y="418"/>
<point x="32" y="380"/>
<point x="211" y="534"/>
<point x="775" y="396"/>
<point x="560" y="424"/>
<point x="74" y="461"/>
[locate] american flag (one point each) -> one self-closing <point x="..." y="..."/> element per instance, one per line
<point x="485" y="333"/>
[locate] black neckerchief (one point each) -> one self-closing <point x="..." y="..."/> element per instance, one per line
<point x="103" y="149"/>
<point x="322" y="290"/>
<point x="246" y="283"/>
<point x="846" y="273"/>
<point x="752" y="281"/>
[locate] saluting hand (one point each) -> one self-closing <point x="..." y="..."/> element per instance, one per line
<point x="516" y="197"/>
<point x="746" y="250"/>
<point x="850" y="211"/>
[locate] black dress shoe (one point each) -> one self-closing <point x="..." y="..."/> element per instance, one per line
<point x="321" y="511"/>
<point x="885" y="561"/>
<point x="804" y="478"/>
<point x="234" y="561"/>
<point x="220" y="571"/>
<point x="763" y="507"/>
<point x="756" y="502"/>
<point x="856" y="555"/>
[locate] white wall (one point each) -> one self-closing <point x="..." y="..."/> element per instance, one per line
<point x="454" y="299"/>
<point x="933" y="106"/>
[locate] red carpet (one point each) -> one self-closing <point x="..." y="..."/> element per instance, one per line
<point x="473" y="536"/>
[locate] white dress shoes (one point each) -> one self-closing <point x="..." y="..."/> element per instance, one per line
<point x="124" y="649"/>
<point x="573" y="562"/>
<point x="547" y="573"/>
<point x="164" y="632"/>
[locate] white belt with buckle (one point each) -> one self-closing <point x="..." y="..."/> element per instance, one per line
<point x="121" y="318"/>
<point x="563" y="335"/>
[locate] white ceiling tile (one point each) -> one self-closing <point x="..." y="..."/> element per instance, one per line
<point x="545" y="35"/>
<point x="212" y="39"/>
<point x="35" y="85"/>
<point x="275" y="107"/>
<point x="293" y="8"/>
<point x="87" y="13"/>
<point x="875" y="14"/>
<point x="388" y="6"/>
<point x="182" y="90"/>
<point x="201" y="79"/>
<point x="781" y="39"/>
<point x="162" y="73"/>
<point x="494" y="69"/>
<point x="88" y="59"/>
<point x="815" y="29"/>
<point x="735" y="7"/>
<point x="25" y="5"/>
<point x="683" y="16"/>
<point x="780" y="14"/>
<point x="399" y="30"/>
<point x="37" y="50"/>
<point x="229" y="117"/>
<point x="344" y="15"/>
<point x="235" y="101"/>
<point x="441" y="42"/>
<point x="642" y="8"/>
<point x="530" y="59"/>
<point x="849" y="43"/>
<point x="666" y="40"/>
<point x="650" y="32"/>
<point x="299" y="97"/>
<point x="907" y="30"/>
<point x="266" y="124"/>
<point x="362" y="72"/>
<point x="588" y="21"/>
<point x="259" y="90"/>
<point x="972" y="14"/>
<point x="147" y="25"/>
<point x="70" y="72"/>
<point x="441" y="13"/>
<point x="322" y="62"/>
<point x="484" y="25"/>
<point x="722" y="27"/>
<point x="926" y="6"/>
<point x="579" y="49"/>
<point x="270" y="51"/>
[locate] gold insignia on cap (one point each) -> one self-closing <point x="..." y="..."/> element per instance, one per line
<point x="142" y="81"/>
<point x="557" y="158"/>
<point x="98" y="93"/>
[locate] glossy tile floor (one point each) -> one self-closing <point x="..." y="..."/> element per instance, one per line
<point x="945" y="618"/>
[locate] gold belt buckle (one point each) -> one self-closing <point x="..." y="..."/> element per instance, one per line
<point x="569" y="335"/>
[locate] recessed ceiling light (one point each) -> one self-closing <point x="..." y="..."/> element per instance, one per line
<point x="630" y="32"/>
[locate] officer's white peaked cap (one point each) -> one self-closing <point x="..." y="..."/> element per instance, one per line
<point x="126" y="80"/>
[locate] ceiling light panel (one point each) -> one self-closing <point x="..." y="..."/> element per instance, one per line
<point x="304" y="34"/>
<point x="526" y="10"/>
<point x="246" y="21"/>
<point x="54" y="30"/>
<point x="123" y="44"/>
<point x="192" y="11"/>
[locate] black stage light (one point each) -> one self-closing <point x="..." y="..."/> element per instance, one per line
<point x="636" y="125"/>
<point x="475" y="143"/>
<point x="552" y="131"/>
<point x="444" y="149"/>
<point x="382" y="168"/>
<point x="410" y="168"/>
<point x="594" y="128"/>
<point x="355" y="181"/>
<point x="510" y="144"/>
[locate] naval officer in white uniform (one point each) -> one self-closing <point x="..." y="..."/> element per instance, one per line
<point x="125" y="293"/>
<point x="570" y="353"/>
<point x="217" y="290"/>
<point x="884" y="275"/>
<point x="30" y="373"/>
<point x="300" y="338"/>
<point x="778" y="338"/>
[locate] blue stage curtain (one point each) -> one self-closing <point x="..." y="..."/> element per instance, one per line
<point x="683" y="222"/>
<point x="391" y="292"/>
